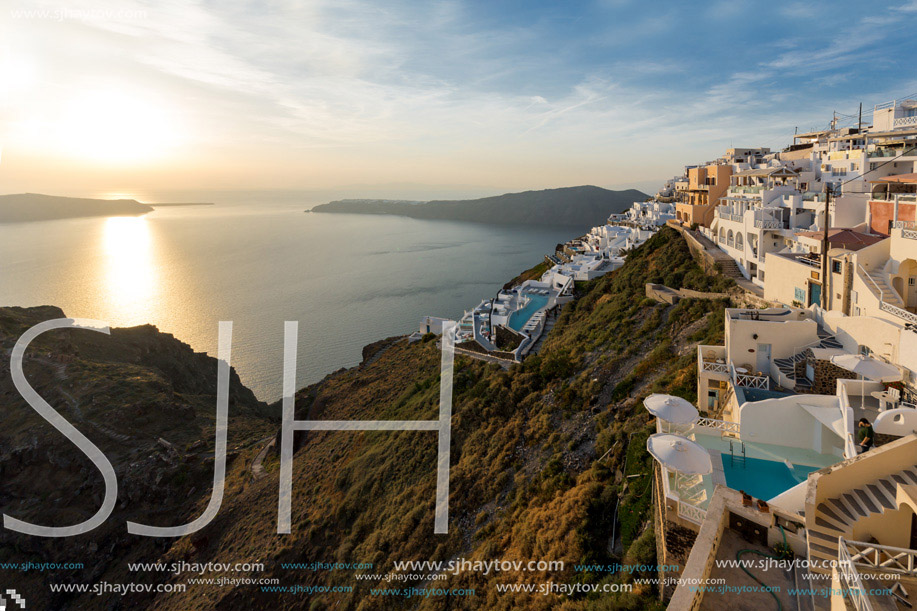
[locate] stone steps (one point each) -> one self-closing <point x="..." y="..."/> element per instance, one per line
<point x="836" y="517"/>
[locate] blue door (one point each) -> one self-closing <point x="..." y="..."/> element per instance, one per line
<point x="815" y="294"/>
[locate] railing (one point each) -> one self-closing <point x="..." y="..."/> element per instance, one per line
<point x="885" y="306"/>
<point x="850" y="577"/>
<point x="881" y="557"/>
<point x="747" y="380"/>
<point x="810" y="262"/>
<point x="770" y="224"/>
<point x="691" y="513"/>
<point x="720" y="425"/>
<point x="729" y="216"/>
<point x="896" y="311"/>
<point x="903" y="225"/>
<point x="890" y="197"/>
<point x="714" y="367"/>
<point x="905" y="121"/>
<point x="814" y="197"/>
<point x="753" y="189"/>
<point x="909" y="234"/>
<point x="883" y="152"/>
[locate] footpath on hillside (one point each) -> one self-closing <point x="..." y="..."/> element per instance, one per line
<point x="716" y="259"/>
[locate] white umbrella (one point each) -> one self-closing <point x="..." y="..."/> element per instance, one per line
<point x="671" y="409"/>
<point x="867" y="368"/>
<point x="679" y="454"/>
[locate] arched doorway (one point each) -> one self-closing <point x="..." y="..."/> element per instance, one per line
<point x="905" y="283"/>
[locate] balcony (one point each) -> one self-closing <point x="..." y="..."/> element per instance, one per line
<point x="752" y="189"/>
<point x="905" y="122"/>
<point x="887" y="151"/>
<point x="749" y="380"/>
<point x="810" y="260"/>
<point x="890" y="197"/>
<point x="769" y="224"/>
<point x="729" y="216"/>
<point x="712" y="359"/>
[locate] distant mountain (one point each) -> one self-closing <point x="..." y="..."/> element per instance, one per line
<point x="35" y="207"/>
<point x="584" y="206"/>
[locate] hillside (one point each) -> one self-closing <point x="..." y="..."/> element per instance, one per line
<point x="148" y="402"/>
<point x="526" y="482"/>
<point x="584" y="207"/>
<point x="35" y="207"/>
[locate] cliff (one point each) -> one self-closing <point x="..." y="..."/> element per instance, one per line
<point x="35" y="207"/>
<point x="541" y="455"/>
<point x="584" y="206"/>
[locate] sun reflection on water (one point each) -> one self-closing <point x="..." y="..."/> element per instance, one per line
<point x="130" y="278"/>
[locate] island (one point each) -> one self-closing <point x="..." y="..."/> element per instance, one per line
<point x="27" y="207"/>
<point x="583" y="206"/>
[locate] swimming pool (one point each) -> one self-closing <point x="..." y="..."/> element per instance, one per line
<point x="763" y="479"/>
<point x="518" y="318"/>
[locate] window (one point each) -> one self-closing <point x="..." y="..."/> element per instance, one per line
<point x="836" y="267"/>
<point x="910" y="281"/>
<point x="800" y="294"/>
<point x="865" y="350"/>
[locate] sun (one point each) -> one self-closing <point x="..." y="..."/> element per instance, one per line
<point x="114" y="127"/>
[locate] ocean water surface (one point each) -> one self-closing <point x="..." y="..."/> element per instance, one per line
<point x="348" y="279"/>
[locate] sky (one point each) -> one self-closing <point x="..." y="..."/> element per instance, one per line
<point x="397" y="96"/>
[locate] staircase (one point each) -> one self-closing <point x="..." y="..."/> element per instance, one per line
<point x="836" y="517"/>
<point x="729" y="268"/>
<point x="690" y="489"/>
<point x="886" y="292"/>
<point x="787" y="366"/>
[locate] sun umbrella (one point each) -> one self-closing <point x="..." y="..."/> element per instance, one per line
<point x="679" y="454"/>
<point x="671" y="409"/>
<point x="867" y="368"/>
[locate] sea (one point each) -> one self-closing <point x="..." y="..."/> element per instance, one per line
<point x="348" y="280"/>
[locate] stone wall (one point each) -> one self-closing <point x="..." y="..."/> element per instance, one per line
<point x="826" y="375"/>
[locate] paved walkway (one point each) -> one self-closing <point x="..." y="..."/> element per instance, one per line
<point x="257" y="466"/>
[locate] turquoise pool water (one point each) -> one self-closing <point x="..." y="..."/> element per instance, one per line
<point x="518" y="318"/>
<point x="763" y="479"/>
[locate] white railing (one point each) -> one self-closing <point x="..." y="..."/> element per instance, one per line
<point x="880" y="557"/>
<point x="769" y="224"/>
<point x="903" y="225"/>
<point x="691" y="513"/>
<point x="903" y="314"/>
<point x="721" y="425"/>
<point x="885" y="306"/>
<point x="747" y="380"/>
<point x="750" y="381"/>
<point x="714" y="367"/>
<point x="909" y="234"/>
<point x="905" y="121"/>
<point x="850" y="578"/>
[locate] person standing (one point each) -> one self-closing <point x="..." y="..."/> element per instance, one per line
<point x="866" y="437"/>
